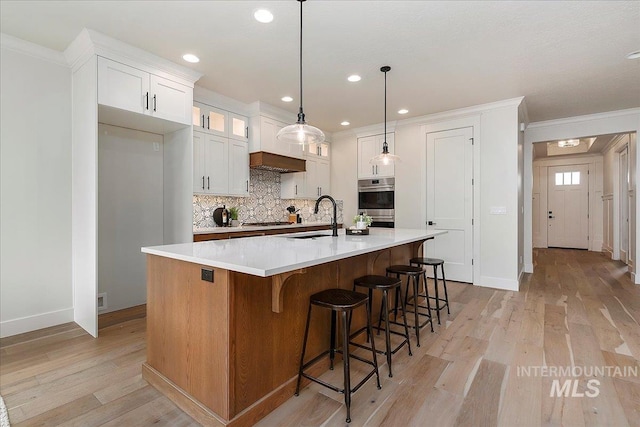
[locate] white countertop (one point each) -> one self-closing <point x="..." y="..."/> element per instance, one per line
<point x="214" y="230"/>
<point x="269" y="255"/>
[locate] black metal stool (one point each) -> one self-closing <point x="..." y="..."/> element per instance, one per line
<point x="384" y="284"/>
<point x="435" y="262"/>
<point x="413" y="275"/>
<point x="343" y="301"/>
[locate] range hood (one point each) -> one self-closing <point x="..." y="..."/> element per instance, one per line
<point x="276" y="162"/>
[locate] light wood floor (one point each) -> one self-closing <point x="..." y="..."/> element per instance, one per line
<point x="577" y="309"/>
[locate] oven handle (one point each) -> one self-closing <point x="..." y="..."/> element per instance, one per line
<point x="375" y="189"/>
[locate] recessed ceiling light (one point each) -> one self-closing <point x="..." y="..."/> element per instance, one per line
<point x="354" y="78"/>
<point x="263" y="15"/>
<point x="634" y="55"/>
<point x="286" y="99"/>
<point x="403" y="111"/>
<point x="345" y="123"/>
<point x="190" y="57"/>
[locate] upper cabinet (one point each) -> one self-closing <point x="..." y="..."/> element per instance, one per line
<point x="313" y="183"/>
<point x="369" y="147"/>
<point x="128" y="88"/>
<point x="220" y="122"/>
<point x="263" y="138"/>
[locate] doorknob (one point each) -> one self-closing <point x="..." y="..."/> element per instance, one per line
<point x="431" y="223"/>
<point x="551" y="216"/>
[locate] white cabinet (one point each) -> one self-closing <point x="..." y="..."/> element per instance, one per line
<point x="238" y="168"/>
<point x="220" y="165"/>
<point x="313" y="183"/>
<point x="369" y="147"/>
<point x="263" y="138"/>
<point x="220" y="122"/>
<point x="128" y="88"/>
<point x="210" y="164"/>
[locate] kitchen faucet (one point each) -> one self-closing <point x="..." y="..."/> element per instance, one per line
<point x="334" y="224"/>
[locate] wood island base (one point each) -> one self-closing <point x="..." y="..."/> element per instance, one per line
<point x="227" y="352"/>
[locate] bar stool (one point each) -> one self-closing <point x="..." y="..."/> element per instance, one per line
<point x="343" y="301"/>
<point x="435" y="262"/>
<point x="413" y="275"/>
<point x="384" y="284"/>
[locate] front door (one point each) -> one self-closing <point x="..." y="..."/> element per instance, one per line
<point x="568" y="207"/>
<point x="450" y="200"/>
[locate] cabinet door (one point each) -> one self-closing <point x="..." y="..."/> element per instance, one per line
<point x="238" y="168"/>
<point x="268" y="131"/>
<point x="287" y="149"/>
<point x="238" y="127"/>
<point x="199" y="174"/>
<point x="312" y="188"/>
<point x="217" y="164"/>
<point x="292" y="185"/>
<point x="324" y="176"/>
<point x="123" y="87"/>
<point x="170" y="100"/>
<point x="366" y="150"/>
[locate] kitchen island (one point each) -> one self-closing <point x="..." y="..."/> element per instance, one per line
<point x="225" y="319"/>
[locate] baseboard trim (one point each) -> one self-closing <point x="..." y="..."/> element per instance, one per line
<point x="32" y="323"/>
<point x="597" y="246"/>
<point x="498" y="283"/>
<point x="528" y="268"/>
<point x="119" y="316"/>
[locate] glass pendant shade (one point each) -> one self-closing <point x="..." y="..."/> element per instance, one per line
<point x="300" y="132"/>
<point x="384" y="158"/>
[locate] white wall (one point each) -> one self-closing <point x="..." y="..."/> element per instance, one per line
<point x="624" y="121"/>
<point x="130" y="211"/>
<point x="35" y="254"/>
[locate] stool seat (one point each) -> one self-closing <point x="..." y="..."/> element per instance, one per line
<point x="404" y="269"/>
<point x="426" y="261"/>
<point x="377" y="282"/>
<point x="338" y="299"/>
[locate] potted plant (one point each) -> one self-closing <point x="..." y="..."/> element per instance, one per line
<point x="233" y="214"/>
<point x="362" y="221"/>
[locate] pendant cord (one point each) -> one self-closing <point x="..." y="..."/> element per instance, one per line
<point x="300" y="56"/>
<point x="385" y="107"/>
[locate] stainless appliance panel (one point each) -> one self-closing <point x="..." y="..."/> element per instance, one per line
<point x="376" y="198"/>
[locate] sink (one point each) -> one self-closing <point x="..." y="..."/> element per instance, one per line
<point x="309" y="236"/>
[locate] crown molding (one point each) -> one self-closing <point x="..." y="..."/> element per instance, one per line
<point x="474" y="110"/>
<point x="215" y="99"/>
<point x="31" y="49"/>
<point x="90" y="42"/>
<point x="585" y="118"/>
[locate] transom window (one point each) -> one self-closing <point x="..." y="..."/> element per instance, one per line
<point x="567" y="178"/>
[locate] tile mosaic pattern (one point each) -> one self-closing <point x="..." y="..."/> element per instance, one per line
<point x="262" y="205"/>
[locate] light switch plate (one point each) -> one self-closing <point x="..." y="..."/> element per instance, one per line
<point x="498" y="210"/>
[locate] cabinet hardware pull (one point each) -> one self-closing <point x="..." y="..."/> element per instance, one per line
<point x="246" y="132"/>
<point x="147" y="98"/>
<point x="203" y="182"/>
<point x="296" y="192"/>
<point x="247" y="185"/>
<point x="203" y="121"/>
<point x="208" y="186"/>
<point x="208" y="122"/>
<point x="154" y="103"/>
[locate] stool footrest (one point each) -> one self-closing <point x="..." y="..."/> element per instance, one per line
<point x="394" y="351"/>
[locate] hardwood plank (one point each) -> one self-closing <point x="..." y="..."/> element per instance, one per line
<point x="481" y="405"/>
<point x="60" y="414"/>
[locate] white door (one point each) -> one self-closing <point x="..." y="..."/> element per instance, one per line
<point x="199" y="173"/>
<point x="123" y="87"/>
<point x="170" y="100"/>
<point x="324" y="176"/>
<point x="568" y="207"/>
<point x="450" y="200"/>
<point x="216" y="156"/>
<point x="624" y="205"/>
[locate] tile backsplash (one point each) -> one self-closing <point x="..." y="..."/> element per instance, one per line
<point x="262" y="205"/>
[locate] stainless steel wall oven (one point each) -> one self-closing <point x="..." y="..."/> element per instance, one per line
<point x="376" y="198"/>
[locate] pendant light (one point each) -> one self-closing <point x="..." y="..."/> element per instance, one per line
<point x="385" y="158"/>
<point x="300" y="132"/>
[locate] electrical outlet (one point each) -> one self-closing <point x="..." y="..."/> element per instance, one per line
<point x="207" y="275"/>
<point x="156" y="146"/>
<point x="102" y="301"/>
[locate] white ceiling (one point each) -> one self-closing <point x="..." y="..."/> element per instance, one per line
<point x="594" y="145"/>
<point x="566" y="58"/>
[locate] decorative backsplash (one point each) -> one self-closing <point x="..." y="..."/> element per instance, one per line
<point x="262" y="205"/>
